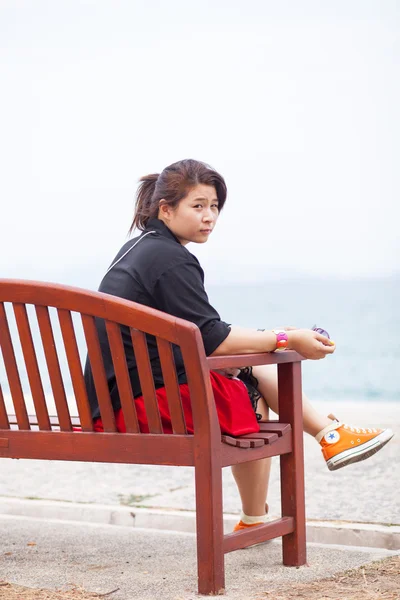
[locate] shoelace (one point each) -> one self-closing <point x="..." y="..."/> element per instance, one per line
<point x="360" y="429"/>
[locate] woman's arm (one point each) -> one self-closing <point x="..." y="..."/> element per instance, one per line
<point x="179" y="291"/>
<point x="246" y="341"/>
<point x="306" y="342"/>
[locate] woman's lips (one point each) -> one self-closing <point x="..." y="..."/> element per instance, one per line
<point x="205" y="230"/>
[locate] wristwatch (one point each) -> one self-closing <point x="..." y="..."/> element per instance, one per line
<point x="281" y="339"/>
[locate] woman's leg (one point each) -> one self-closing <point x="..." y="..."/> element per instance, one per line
<point x="252" y="478"/>
<point x="341" y="444"/>
<point x="267" y="375"/>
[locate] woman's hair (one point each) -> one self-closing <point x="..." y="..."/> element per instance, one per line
<point x="173" y="184"/>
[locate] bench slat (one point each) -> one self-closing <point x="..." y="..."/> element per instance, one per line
<point x="99" y="374"/>
<point x="32" y="367"/>
<point x="171" y="386"/>
<point x="53" y="367"/>
<point x="4" y="423"/>
<point x="237" y="442"/>
<point x="128" y="448"/>
<point x="12" y="371"/>
<point x="266" y="438"/>
<point x="146" y="380"/>
<point x="280" y="429"/>
<point x="75" y="369"/>
<point x="122" y="377"/>
<point x="251" y="440"/>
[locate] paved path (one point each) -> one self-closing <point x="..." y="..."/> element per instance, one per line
<point x="148" y="564"/>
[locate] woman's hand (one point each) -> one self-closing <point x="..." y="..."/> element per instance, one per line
<point x="310" y="344"/>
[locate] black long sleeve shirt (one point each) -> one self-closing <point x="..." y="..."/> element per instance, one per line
<point x="161" y="273"/>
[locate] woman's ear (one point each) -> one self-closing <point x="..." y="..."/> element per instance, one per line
<point x="164" y="210"/>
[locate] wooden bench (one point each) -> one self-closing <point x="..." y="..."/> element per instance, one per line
<point x="49" y="437"/>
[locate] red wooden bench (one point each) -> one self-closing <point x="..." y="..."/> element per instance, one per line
<point x="49" y="437"/>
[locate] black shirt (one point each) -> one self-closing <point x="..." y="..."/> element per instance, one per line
<point x="161" y="273"/>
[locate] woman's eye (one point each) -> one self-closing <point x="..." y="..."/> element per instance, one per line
<point x="201" y="206"/>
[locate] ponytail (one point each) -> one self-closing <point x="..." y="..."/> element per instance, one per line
<point x="144" y="208"/>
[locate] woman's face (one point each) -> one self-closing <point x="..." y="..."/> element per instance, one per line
<point x="195" y="216"/>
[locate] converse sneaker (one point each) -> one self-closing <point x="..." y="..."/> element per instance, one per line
<point x="243" y="525"/>
<point x="239" y="526"/>
<point x="343" y="444"/>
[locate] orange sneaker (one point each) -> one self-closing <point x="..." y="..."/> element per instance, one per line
<point x="242" y="525"/>
<point x="343" y="444"/>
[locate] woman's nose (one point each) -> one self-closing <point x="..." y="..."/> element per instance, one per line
<point x="208" y="215"/>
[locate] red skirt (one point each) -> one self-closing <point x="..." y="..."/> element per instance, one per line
<point x="235" y="412"/>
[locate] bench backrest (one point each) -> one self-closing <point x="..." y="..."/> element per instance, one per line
<point x="53" y="305"/>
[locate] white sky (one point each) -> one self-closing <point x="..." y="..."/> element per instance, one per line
<point x="295" y="103"/>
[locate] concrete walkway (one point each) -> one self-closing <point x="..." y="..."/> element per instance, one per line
<point x="149" y="564"/>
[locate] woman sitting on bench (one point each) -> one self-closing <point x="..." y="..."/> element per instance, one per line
<point x="178" y="206"/>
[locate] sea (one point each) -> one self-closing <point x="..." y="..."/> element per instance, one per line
<point x="361" y="316"/>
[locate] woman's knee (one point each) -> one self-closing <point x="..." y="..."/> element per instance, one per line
<point x="267" y="377"/>
<point x="262" y="371"/>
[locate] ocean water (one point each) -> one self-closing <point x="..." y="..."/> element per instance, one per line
<point x="360" y="315"/>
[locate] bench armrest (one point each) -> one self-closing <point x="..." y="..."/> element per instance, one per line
<point x="251" y="360"/>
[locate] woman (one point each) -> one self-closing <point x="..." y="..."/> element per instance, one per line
<point x="178" y="206"/>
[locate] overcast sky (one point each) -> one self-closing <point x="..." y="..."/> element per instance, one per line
<point x="295" y="103"/>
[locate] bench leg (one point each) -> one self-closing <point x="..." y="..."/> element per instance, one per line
<point x="209" y="524"/>
<point x="292" y="465"/>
